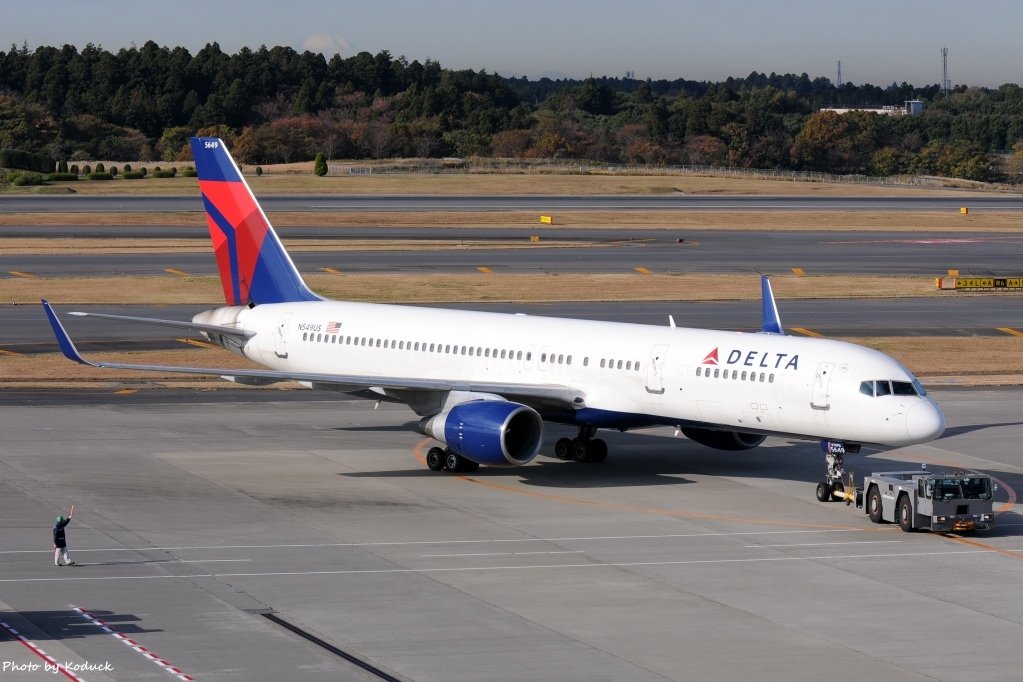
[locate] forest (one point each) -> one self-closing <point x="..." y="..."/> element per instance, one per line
<point x="276" y="105"/>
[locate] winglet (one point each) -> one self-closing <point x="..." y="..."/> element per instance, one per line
<point x="771" y="320"/>
<point x="66" y="345"/>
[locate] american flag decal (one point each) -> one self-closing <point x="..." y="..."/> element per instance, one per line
<point x="333" y="327"/>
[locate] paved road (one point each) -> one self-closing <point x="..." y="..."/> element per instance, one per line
<point x="196" y="514"/>
<point x="703" y="251"/>
<point x="675" y="202"/>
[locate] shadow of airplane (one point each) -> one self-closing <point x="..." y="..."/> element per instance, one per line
<point x="68" y="624"/>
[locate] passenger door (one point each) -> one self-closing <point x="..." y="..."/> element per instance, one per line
<point x="281" y="337"/>
<point x="820" y="399"/>
<point x="655" y="369"/>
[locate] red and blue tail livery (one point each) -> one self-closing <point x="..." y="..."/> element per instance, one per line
<point x="254" y="267"/>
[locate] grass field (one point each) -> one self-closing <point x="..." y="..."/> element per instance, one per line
<point x="499" y="184"/>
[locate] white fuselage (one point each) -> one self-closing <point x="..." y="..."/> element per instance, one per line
<point x="628" y="374"/>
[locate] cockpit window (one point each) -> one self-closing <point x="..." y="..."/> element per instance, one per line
<point x="885" y="387"/>
<point x="903" y="388"/>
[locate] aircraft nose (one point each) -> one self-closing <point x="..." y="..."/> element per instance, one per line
<point x="925" y="422"/>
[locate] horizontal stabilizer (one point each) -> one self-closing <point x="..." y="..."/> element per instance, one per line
<point x="175" y="324"/>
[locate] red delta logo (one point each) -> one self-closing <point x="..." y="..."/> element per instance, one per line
<point x="712" y="358"/>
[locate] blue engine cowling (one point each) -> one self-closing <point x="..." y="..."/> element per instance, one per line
<point x="491" y="432"/>
<point x="733" y="441"/>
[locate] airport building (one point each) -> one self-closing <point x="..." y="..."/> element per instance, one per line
<point x="911" y="107"/>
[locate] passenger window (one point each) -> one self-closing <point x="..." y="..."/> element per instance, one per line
<point x="698" y="371"/>
<point x="867" y="388"/>
<point x="770" y="378"/>
<point x="447" y="348"/>
<point x="568" y="360"/>
<point x="883" y="388"/>
<point x="378" y="343"/>
<point x="472" y="351"/>
<point x="304" y="335"/>
<point x="417" y="345"/>
<point x="761" y="377"/>
<point x="529" y="356"/>
<point x="602" y="362"/>
<point x="744" y="376"/>
<point x="628" y="365"/>
<point x="716" y="371"/>
<point x="561" y="359"/>
<point x="518" y="356"/>
<point x="637" y="366"/>
<point x="735" y="374"/>
<point x="503" y="354"/>
<point x="619" y="364"/>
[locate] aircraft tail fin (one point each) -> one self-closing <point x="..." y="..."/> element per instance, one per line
<point x="254" y="267"/>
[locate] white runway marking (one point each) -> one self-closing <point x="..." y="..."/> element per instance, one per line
<point x="827" y="544"/>
<point x="527" y="567"/>
<point x="430" y="556"/>
<point x="400" y="543"/>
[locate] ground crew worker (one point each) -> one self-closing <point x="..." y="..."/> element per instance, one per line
<point x="60" y="542"/>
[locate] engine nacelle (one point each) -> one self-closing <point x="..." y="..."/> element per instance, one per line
<point x="724" y="440"/>
<point x="491" y="432"/>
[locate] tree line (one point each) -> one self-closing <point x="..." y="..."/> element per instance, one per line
<point x="278" y="105"/>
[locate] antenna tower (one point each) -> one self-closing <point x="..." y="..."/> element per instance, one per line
<point x="946" y="85"/>
<point x="838" y="83"/>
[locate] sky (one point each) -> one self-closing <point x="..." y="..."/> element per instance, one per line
<point x="878" y="42"/>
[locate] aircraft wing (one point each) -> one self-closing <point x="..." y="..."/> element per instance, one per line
<point x="547" y="394"/>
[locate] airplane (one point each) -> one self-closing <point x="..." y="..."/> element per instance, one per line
<point x="484" y="384"/>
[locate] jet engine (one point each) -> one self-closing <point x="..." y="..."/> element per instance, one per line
<point x="724" y="440"/>
<point x="491" y="432"/>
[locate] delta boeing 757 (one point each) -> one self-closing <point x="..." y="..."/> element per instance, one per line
<point x="485" y="383"/>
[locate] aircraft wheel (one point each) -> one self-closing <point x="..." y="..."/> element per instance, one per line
<point x="823" y="492"/>
<point x="597" y="450"/>
<point x="580" y="451"/>
<point x="563" y="448"/>
<point x="837" y="488"/>
<point x="453" y="462"/>
<point x="435" y="459"/>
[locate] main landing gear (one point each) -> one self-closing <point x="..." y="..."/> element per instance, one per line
<point x="583" y="448"/>
<point x="446" y="459"/>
